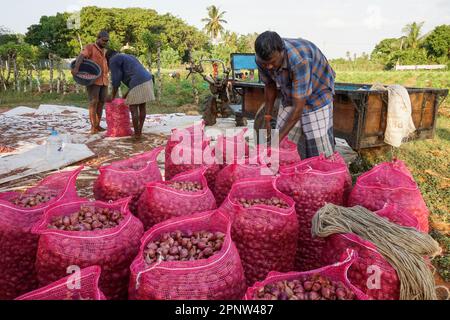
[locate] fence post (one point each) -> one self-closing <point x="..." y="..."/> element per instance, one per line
<point x="51" y="72"/>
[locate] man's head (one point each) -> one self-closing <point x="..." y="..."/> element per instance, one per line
<point x="103" y="39"/>
<point x="110" y="53"/>
<point x="269" y="49"/>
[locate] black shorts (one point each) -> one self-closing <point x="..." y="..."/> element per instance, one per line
<point x="97" y="93"/>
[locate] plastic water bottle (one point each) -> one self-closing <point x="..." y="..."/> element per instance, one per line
<point x="54" y="146"/>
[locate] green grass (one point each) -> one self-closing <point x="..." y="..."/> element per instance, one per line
<point x="426" y="79"/>
<point x="13" y="99"/>
<point x="421" y="79"/>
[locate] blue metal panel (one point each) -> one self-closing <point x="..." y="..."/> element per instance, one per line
<point x="247" y="62"/>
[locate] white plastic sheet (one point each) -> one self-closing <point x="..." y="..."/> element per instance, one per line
<point x="35" y="161"/>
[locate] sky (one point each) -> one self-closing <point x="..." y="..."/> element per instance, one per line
<point x="336" y="26"/>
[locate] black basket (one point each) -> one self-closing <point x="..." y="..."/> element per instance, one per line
<point x="88" y="66"/>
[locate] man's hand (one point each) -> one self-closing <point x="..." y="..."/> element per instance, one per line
<point x="74" y="72"/>
<point x="294" y="118"/>
<point x="78" y="63"/>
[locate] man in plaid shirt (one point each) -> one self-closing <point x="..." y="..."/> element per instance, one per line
<point x="306" y="80"/>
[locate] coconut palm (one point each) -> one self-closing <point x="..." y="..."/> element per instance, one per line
<point x="214" y="22"/>
<point x="413" y="33"/>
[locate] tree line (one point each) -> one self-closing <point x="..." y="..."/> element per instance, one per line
<point x="166" y="41"/>
<point x="158" y="40"/>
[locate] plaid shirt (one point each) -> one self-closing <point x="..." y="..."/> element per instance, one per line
<point x="305" y="74"/>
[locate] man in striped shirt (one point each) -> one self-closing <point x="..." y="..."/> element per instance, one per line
<point x="306" y="80"/>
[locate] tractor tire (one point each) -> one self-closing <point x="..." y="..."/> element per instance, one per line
<point x="210" y="111"/>
<point x="241" y="121"/>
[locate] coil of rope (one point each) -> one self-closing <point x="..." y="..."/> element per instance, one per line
<point x="404" y="248"/>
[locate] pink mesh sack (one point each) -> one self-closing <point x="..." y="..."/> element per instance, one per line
<point x="392" y="213"/>
<point x="228" y="149"/>
<point x="160" y="202"/>
<point x="370" y="272"/>
<point x="220" y="277"/>
<point x="235" y="172"/>
<point x="195" y="158"/>
<point x="74" y="287"/>
<point x="286" y="155"/>
<point x="118" y="119"/>
<point x="336" y="272"/>
<point x="312" y="184"/>
<point x="266" y="236"/>
<point x="185" y="144"/>
<point x="18" y="245"/>
<point x="337" y="158"/>
<point x="112" y="249"/>
<point x="390" y="183"/>
<point x="127" y="178"/>
<point x="9" y="196"/>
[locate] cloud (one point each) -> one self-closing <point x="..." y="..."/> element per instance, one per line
<point x="443" y="4"/>
<point x="335" y="23"/>
<point x="374" y="19"/>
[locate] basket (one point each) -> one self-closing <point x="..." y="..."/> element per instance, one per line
<point x="87" y="67"/>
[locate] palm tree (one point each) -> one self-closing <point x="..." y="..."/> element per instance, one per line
<point x="214" y="22"/>
<point x="413" y="32"/>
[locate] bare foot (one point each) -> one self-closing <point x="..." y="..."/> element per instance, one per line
<point x="100" y="129"/>
<point x="137" y="137"/>
<point x="94" y="131"/>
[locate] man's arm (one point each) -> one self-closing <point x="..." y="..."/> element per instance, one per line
<point x="294" y="118"/>
<point x="78" y="63"/>
<point x="301" y="90"/>
<point x="116" y="77"/>
<point x="271" y="93"/>
<point x="113" y="94"/>
<point x="85" y="54"/>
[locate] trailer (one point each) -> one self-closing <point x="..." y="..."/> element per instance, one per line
<point x="360" y="113"/>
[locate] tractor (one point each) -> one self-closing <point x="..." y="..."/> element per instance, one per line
<point x="223" y="102"/>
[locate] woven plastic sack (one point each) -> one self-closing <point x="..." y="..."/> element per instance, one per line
<point x="18" y="246"/>
<point x="312" y="184"/>
<point x="390" y="183"/>
<point x="159" y="202"/>
<point x="370" y="273"/>
<point x="112" y="249"/>
<point x="336" y="272"/>
<point x="220" y="277"/>
<point x="127" y="178"/>
<point x="74" y="287"/>
<point x="118" y="119"/>
<point x="228" y="149"/>
<point x="235" y="172"/>
<point x="266" y="236"/>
